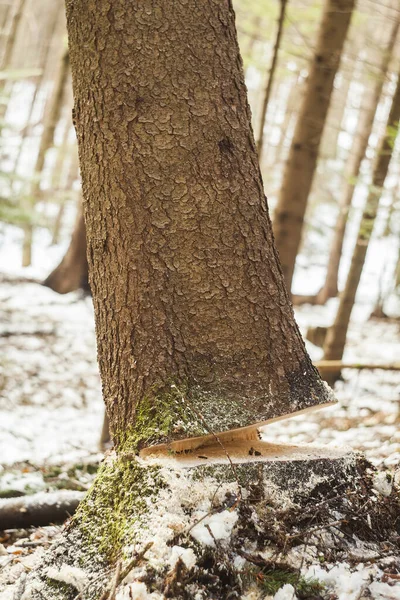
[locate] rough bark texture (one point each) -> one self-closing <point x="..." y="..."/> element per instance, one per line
<point x="72" y="273"/>
<point x="302" y="162"/>
<point x="336" y="336"/>
<point x="358" y="152"/>
<point x="186" y="283"/>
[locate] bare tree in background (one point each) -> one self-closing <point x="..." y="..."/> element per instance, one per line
<point x="271" y="75"/>
<point x="302" y="162"/>
<point x="336" y="337"/>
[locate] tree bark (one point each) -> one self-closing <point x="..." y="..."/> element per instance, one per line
<point x="191" y="310"/>
<point x="358" y="152"/>
<point x="46" y="141"/>
<point x="337" y="108"/>
<point x="302" y="162"/>
<point x="336" y="336"/>
<point x="72" y="273"/>
<point x="38" y="509"/>
<point x="271" y="75"/>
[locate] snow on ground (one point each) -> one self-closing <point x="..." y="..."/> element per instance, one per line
<point x="51" y="409"/>
<point x="50" y="395"/>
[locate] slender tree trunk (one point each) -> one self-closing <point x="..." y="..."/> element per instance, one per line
<point x="397" y="272"/>
<point x="336" y="336"/>
<point x="73" y="174"/>
<point x="12" y="35"/>
<point x="302" y="161"/>
<point x="43" y="62"/>
<point x="72" y="273"/>
<point x="394" y="200"/>
<point x="330" y="288"/>
<point x="271" y="75"/>
<point x="7" y="54"/>
<point x="46" y="141"/>
<point x="296" y="92"/>
<point x="156" y="199"/>
<point x="337" y="108"/>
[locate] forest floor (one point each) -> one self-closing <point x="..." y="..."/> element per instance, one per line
<point x="51" y="414"/>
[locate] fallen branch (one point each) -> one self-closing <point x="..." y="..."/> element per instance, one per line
<point x="338" y="365"/>
<point x="38" y="509"/>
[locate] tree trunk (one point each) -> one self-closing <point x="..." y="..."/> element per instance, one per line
<point x="72" y="273"/>
<point x="358" y="152"/>
<point x="194" y="325"/>
<point x="73" y="175"/>
<point x="270" y="80"/>
<point x="302" y="162"/>
<point x="8" y="52"/>
<point x="337" y="109"/>
<point x="195" y="297"/>
<point x="46" y="141"/>
<point x="43" y="63"/>
<point x="336" y="336"/>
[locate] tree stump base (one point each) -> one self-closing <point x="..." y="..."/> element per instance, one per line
<point x="208" y="531"/>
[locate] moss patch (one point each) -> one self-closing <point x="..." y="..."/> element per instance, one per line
<point x="115" y="505"/>
<point x="163" y="414"/>
<point x="60" y="589"/>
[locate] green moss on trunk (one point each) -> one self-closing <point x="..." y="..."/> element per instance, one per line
<point x="117" y="500"/>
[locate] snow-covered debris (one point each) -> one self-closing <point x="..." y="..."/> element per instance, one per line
<point x="383" y="484"/>
<point x="186" y="555"/>
<point x="137" y="591"/>
<point x="344" y="583"/>
<point x="287" y="592"/>
<point x="384" y="591"/>
<point x="215" y="527"/>
<point x="70" y="575"/>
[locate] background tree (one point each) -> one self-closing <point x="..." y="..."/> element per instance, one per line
<point x="364" y="130"/>
<point x="270" y="79"/>
<point x="336" y="337"/>
<point x="302" y="161"/>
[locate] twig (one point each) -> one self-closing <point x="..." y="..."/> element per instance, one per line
<point x="212" y="535"/>
<point x="209" y="514"/>
<point x="310" y="531"/>
<point x="114" y="584"/>
<point x="121" y="574"/>
<point x="213" y="511"/>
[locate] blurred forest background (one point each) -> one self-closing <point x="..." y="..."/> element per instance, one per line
<point x="325" y="100"/>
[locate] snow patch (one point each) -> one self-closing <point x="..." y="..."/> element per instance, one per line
<point x="220" y="524"/>
<point x="345" y="584"/>
<point x="70" y="575"/>
<point x="384" y="591"/>
<point x="137" y="591"/>
<point x="287" y="592"/>
<point x="186" y="555"/>
<point x="382" y="484"/>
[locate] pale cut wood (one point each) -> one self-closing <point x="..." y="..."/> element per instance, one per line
<point x="233" y="436"/>
<point x="334" y="365"/>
